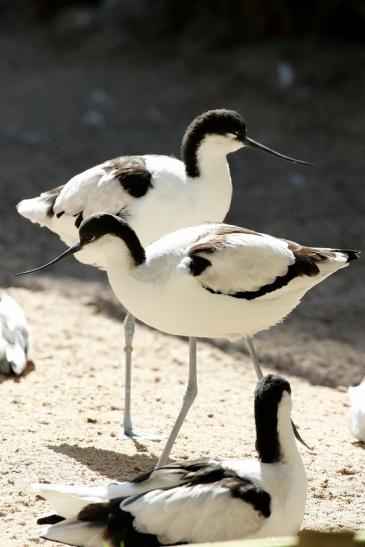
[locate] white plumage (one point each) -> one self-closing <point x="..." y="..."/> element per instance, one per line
<point x="14" y="336"/>
<point x="173" y="199"/>
<point x="155" y="194"/>
<point x="200" y="501"/>
<point x="212" y="280"/>
<point x="163" y="291"/>
<point x="357" y="411"/>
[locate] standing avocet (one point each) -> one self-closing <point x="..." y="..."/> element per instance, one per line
<point x="212" y="281"/>
<point x="194" y="502"/>
<point x="14" y="337"/>
<point x="156" y="194"/>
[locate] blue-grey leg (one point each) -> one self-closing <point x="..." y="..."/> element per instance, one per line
<point x="127" y="430"/>
<point x="255" y="359"/>
<point x="189" y="397"/>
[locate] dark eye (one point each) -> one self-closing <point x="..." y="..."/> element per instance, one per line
<point x="87" y="237"/>
<point x="241" y="134"/>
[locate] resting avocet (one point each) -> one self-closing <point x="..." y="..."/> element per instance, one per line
<point x="357" y="411"/>
<point x="156" y="194"/>
<point x="212" y="281"/>
<point x="14" y="336"/>
<point x="199" y="501"/>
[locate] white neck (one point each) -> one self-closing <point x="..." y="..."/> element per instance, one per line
<point x="113" y="255"/>
<point x="212" y="188"/>
<point x="212" y="160"/>
<point x="288" y="445"/>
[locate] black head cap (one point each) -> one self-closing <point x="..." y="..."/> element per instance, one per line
<point x="271" y="387"/>
<point x="220" y="122"/>
<point x="212" y="122"/>
<point x="268" y="394"/>
<point x="217" y="122"/>
<point x="97" y="226"/>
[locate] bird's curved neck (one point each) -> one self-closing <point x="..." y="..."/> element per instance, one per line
<point x="124" y="248"/>
<point x="275" y="441"/>
<point x="204" y="158"/>
<point x="288" y="445"/>
<point x="135" y="249"/>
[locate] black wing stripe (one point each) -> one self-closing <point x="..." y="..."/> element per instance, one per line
<point x="299" y="268"/>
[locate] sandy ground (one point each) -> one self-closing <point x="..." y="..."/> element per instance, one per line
<point x="60" y="420"/>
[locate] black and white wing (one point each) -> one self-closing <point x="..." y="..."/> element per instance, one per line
<point x="117" y="186"/>
<point x="246" y="264"/>
<point x="200" y="501"/>
<point x="108" y="187"/>
<point x="212" y="504"/>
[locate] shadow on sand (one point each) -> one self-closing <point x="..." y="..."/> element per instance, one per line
<point x="13" y="378"/>
<point x="112" y="465"/>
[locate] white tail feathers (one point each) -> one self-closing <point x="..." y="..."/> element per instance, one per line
<point x="39" y="211"/>
<point x="346" y="254"/>
<point x="340" y="259"/>
<point x="72" y="532"/>
<point x="68" y="501"/>
<point x="35" y="210"/>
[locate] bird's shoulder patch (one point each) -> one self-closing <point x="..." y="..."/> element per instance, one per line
<point x="249" y="492"/>
<point x="132" y="174"/>
<point x="198" y="264"/>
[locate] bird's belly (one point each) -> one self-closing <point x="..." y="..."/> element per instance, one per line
<point x="200" y="313"/>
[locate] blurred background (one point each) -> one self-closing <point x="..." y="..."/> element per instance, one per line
<point x="84" y="81"/>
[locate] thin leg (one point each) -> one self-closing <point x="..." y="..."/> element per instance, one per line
<point x="190" y="394"/>
<point x="129" y="328"/>
<point x="255" y="359"/>
<point x="128" y="431"/>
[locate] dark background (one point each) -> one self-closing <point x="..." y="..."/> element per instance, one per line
<point x="82" y="82"/>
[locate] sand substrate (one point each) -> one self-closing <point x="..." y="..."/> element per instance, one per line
<point x="59" y="421"/>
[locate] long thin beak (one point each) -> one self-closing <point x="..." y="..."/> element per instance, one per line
<point x="297" y="435"/>
<point x="72" y="250"/>
<point x="250" y="143"/>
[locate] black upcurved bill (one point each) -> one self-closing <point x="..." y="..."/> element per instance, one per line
<point x="250" y="143"/>
<point x="72" y="250"/>
<point x="297" y="436"/>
